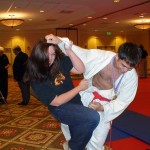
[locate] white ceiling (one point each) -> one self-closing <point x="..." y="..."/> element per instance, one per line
<point x="61" y="13"/>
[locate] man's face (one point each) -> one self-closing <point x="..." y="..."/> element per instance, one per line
<point x="122" y="65"/>
<point x="15" y="52"/>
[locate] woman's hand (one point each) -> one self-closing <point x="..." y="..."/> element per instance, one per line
<point x="67" y="96"/>
<point x="83" y="84"/>
<point x="52" y="39"/>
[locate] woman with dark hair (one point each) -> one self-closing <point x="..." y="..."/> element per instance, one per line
<point x="48" y="71"/>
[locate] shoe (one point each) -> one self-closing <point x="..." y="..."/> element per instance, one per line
<point x="22" y="103"/>
<point x="3" y="101"/>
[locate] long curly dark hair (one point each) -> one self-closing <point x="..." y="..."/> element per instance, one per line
<point x="38" y="68"/>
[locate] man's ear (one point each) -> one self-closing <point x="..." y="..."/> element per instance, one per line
<point x="117" y="58"/>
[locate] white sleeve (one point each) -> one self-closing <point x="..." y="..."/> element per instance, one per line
<point x="126" y="95"/>
<point x="93" y="59"/>
<point x="80" y="52"/>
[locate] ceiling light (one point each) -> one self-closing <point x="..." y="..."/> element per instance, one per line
<point x="142" y="26"/>
<point x="105" y="18"/>
<point x="11" y="22"/>
<point x="141" y="16"/>
<point x="41" y="11"/>
<point x="116" y="1"/>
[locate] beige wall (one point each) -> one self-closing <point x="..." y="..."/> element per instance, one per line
<point x="141" y="37"/>
<point x="24" y="39"/>
<point x="92" y="40"/>
<point x="85" y="39"/>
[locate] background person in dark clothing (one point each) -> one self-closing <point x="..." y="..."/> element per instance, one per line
<point x="142" y="67"/>
<point x="4" y="64"/>
<point x="19" y="68"/>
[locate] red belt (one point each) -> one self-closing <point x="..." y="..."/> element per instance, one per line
<point x="99" y="97"/>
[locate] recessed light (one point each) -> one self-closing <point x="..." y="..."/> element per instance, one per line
<point x="41" y="11"/>
<point x="105" y="18"/>
<point x="116" y="1"/>
<point x="89" y="17"/>
<point x="141" y="16"/>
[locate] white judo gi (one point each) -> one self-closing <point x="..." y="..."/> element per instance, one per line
<point x="94" y="61"/>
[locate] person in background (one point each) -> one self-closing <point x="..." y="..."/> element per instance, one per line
<point x="142" y="67"/>
<point x="48" y="71"/>
<point x="19" y="68"/>
<point x="4" y="64"/>
<point x="113" y="83"/>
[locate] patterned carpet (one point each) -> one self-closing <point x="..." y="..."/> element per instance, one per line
<point x="28" y="127"/>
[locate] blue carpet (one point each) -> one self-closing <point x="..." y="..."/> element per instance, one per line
<point x="134" y="124"/>
<point x="117" y="135"/>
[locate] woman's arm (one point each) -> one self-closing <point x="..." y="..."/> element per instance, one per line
<point x="93" y="59"/>
<point x="65" y="97"/>
<point x="78" y="66"/>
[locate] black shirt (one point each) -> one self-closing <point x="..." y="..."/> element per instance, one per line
<point x="47" y="90"/>
<point x="19" y="66"/>
<point x="3" y="63"/>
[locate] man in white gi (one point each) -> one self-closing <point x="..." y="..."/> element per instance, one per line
<point x="113" y="83"/>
